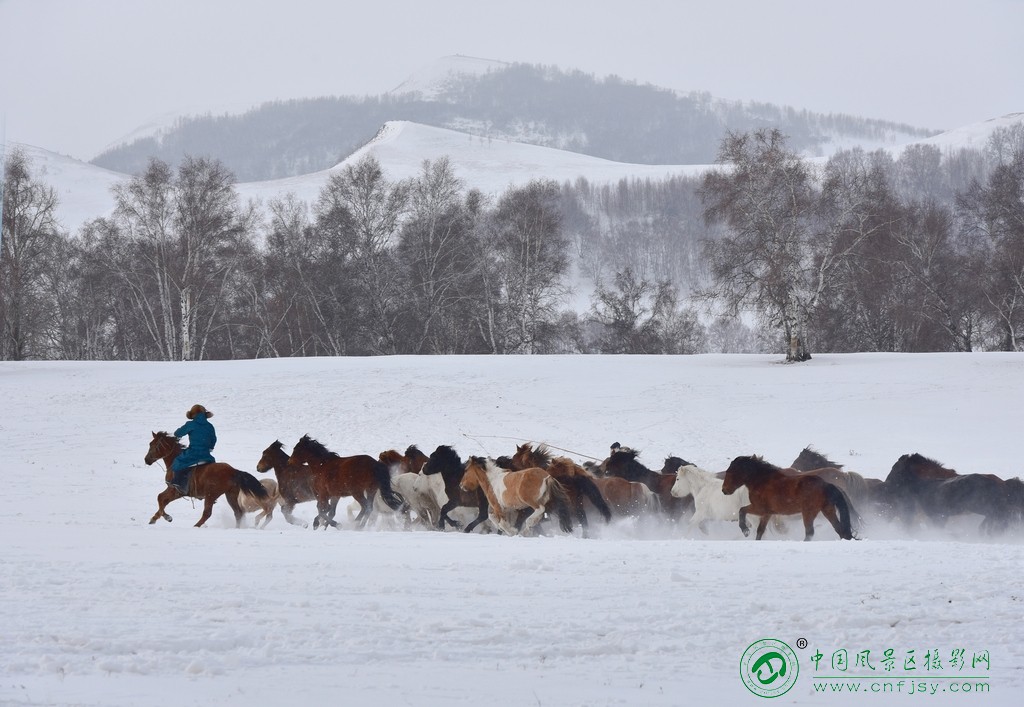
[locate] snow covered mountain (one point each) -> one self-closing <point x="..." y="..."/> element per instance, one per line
<point x="490" y="165"/>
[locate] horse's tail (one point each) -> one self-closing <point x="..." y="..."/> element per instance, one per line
<point x="561" y="504"/>
<point x="250" y="484"/>
<point x="383" y="477"/>
<point x="586" y="486"/>
<point x="836" y="496"/>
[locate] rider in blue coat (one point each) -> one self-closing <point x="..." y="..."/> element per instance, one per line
<point x="201" y="440"/>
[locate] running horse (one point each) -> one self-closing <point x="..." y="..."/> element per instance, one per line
<point x="446" y="462"/>
<point x="623" y="463"/>
<point x="773" y="491"/>
<point x="293" y="481"/>
<point x="207" y="481"/>
<point x="917" y="483"/>
<point x="578" y="483"/>
<point x="511" y="491"/>
<point x="332" y="476"/>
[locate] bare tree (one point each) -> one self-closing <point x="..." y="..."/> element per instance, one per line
<point x="185" y="234"/>
<point x="524" y="278"/>
<point x="765" y="261"/>
<point x="640" y="317"/>
<point x="441" y="253"/>
<point x="28" y="237"/>
<point x="994" y="213"/>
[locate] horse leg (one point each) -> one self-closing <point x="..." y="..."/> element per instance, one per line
<point x="236" y="507"/>
<point x="365" y="508"/>
<point x="323" y="507"/>
<point x="207" y="509"/>
<point x="532" y="520"/>
<point x="443" y="516"/>
<point x="165" y="497"/>
<point x="581" y="514"/>
<point x="743" y="520"/>
<point x="761" y="525"/>
<point x="809" y="517"/>
<point x="287" y="506"/>
<point x="830" y="513"/>
<point x="481" y="516"/>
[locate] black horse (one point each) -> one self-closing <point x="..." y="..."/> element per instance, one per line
<point x="445" y="461"/>
<point x="917" y="484"/>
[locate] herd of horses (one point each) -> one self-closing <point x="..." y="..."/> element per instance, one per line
<point x="514" y="494"/>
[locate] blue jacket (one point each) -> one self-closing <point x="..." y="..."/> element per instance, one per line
<point x="201" y="440"/>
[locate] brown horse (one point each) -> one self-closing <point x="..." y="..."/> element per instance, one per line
<point x="510" y="491"/>
<point x="627" y="498"/>
<point x="207" y="481"/>
<point x="332" y="476"/>
<point x="862" y="490"/>
<point x="623" y="463"/>
<point x="293" y="481"/>
<point x="409" y="463"/>
<point x="772" y="491"/>
<point x="577" y="481"/>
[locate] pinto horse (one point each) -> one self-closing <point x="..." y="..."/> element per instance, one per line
<point x="578" y="483"/>
<point x="917" y="483"/>
<point x="208" y="482"/>
<point x="333" y="476"/>
<point x="772" y="491"/>
<point x="445" y="461"/>
<point x="509" y="491"/>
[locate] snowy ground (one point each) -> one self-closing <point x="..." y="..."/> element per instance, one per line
<point x="99" y="608"/>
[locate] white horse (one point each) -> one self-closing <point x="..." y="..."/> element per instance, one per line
<point x="708" y="500"/>
<point x="251" y="504"/>
<point x="423" y="493"/>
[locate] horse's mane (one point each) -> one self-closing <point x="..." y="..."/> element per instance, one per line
<point x="446" y="458"/>
<point x="542" y="455"/>
<point x="814" y="460"/>
<point x="412" y="450"/>
<point x="278" y="445"/>
<point x="172" y="438"/>
<point x="567" y="467"/>
<point x="505" y="462"/>
<point x="758" y="463"/>
<point x="673" y="462"/>
<point x="316" y="449"/>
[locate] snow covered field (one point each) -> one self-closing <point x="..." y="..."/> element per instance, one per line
<point x="99" y="608"/>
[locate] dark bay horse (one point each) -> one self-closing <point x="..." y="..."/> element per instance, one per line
<point x="774" y="492"/>
<point x="579" y="484"/>
<point x="917" y="483"/>
<point x="623" y="463"/>
<point x="208" y="482"/>
<point x="332" y="476"/>
<point x="445" y="461"/>
<point x="294" y="481"/>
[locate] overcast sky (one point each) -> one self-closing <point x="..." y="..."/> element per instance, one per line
<point x="77" y="75"/>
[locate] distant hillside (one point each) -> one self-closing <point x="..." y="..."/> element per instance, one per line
<point x="609" y="118"/>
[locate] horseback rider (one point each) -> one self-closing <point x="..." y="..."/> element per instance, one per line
<point x="201" y="440"/>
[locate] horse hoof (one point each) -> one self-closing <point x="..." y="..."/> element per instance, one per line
<point x="168" y="518"/>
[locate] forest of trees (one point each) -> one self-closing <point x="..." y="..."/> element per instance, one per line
<point x="770" y="252"/>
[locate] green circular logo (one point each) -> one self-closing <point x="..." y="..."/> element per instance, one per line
<point x="769" y="667"/>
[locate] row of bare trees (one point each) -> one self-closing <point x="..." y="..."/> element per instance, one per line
<point x="848" y="260"/>
<point x="866" y="252"/>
